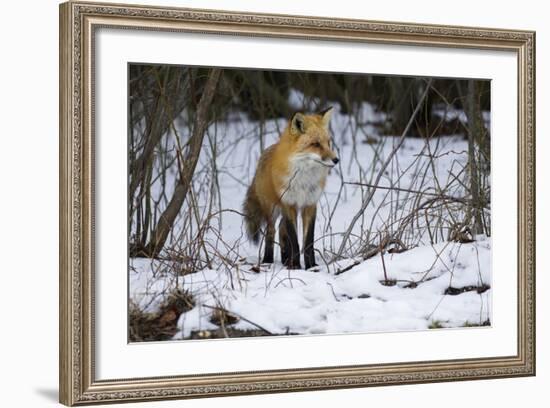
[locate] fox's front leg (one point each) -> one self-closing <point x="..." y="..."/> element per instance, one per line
<point x="308" y="221"/>
<point x="269" y="243"/>
<point x="290" y="249"/>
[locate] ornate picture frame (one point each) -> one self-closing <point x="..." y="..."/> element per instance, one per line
<point x="79" y="22"/>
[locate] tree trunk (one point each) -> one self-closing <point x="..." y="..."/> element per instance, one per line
<point x="475" y="137"/>
<point x="187" y="168"/>
<point x="159" y="88"/>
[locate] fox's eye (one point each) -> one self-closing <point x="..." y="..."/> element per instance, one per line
<point x="316" y="144"/>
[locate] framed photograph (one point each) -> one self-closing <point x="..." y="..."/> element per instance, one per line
<point x="256" y="203"/>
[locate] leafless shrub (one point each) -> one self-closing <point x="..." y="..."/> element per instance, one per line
<point x="162" y="324"/>
<point x="179" y="147"/>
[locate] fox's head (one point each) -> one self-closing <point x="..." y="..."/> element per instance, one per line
<point x="311" y="139"/>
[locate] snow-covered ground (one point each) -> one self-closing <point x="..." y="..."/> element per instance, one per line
<point x="283" y="301"/>
<point x="325" y="301"/>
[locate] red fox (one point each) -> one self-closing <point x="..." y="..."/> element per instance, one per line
<point x="290" y="178"/>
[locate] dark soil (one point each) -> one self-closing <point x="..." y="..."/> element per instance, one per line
<point x="231" y="332"/>
<point x="457" y="291"/>
<point x="163" y="324"/>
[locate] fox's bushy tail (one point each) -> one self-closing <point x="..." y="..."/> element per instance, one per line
<point x="253" y="215"/>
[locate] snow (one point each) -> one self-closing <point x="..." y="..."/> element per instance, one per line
<point x="297" y="301"/>
<point x="324" y="301"/>
<point x="450" y="113"/>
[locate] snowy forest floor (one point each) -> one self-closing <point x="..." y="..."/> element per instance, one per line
<point x="433" y="282"/>
<point x="444" y="285"/>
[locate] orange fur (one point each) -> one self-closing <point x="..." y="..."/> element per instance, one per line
<point x="291" y="175"/>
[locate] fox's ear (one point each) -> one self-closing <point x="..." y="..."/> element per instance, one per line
<point x="326" y="115"/>
<point x="298" y="123"/>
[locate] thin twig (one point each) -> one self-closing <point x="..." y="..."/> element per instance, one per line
<point x="367" y="201"/>
<point x="239" y="316"/>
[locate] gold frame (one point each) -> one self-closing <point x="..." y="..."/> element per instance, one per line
<point x="78" y="22"/>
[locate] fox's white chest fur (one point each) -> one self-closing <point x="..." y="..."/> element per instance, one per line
<point x="304" y="185"/>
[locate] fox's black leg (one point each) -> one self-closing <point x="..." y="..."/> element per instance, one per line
<point x="290" y="249"/>
<point x="308" y="220"/>
<point x="269" y="243"/>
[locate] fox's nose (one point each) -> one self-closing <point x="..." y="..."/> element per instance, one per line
<point x="335" y="160"/>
